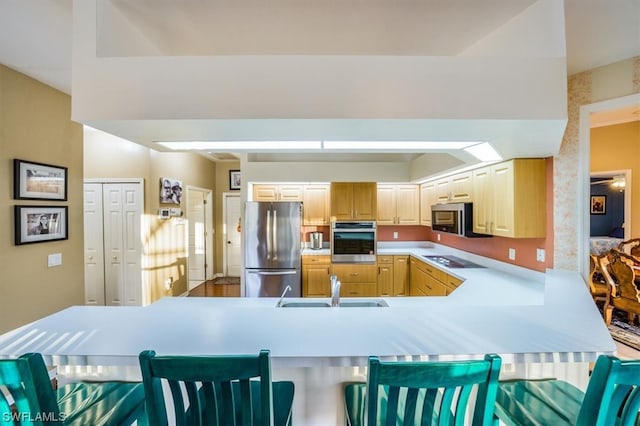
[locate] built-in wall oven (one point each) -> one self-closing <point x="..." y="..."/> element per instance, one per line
<point x="353" y="242"/>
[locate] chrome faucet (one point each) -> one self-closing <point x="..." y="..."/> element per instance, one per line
<point x="285" y="291"/>
<point x="335" y="291"/>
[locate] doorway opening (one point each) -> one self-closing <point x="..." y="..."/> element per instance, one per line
<point x="200" y="235"/>
<point x="587" y="114"/>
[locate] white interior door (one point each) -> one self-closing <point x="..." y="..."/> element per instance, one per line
<point x="132" y="245"/>
<point x="93" y="245"/>
<point x="197" y="236"/>
<point x="233" y="234"/>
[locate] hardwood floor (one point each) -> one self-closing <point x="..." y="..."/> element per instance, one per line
<point x="627" y="352"/>
<point x="220" y="287"/>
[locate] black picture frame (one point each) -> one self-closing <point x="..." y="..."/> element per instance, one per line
<point x="234" y="179"/>
<point x="39" y="181"/>
<point x="39" y="224"/>
<point x="598" y="204"/>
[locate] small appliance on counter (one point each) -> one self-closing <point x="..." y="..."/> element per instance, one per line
<point x="315" y="240"/>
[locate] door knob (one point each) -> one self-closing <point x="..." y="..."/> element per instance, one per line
<point x="228" y="242"/>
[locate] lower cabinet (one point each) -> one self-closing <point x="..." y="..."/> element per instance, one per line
<point x="427" y="280"/>
<point x="316" y="271"/>
<point x="400" y="275"/>
<point x="385" y="276"/>
<point x="357" y="279"/>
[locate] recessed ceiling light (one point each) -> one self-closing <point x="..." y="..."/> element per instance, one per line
<point x="398" y="145"/>
<point x="241" y="145"/>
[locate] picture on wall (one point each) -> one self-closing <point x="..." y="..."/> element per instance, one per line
<point x="38" y="181"/>
<point x="234" y="179"/>
<point x="170" y="191"/>
<point x="38" y="224"/>
<point x="598" y="204"/>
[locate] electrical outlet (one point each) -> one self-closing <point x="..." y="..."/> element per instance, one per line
<point x="438" y="236"/>
<point x="512" y="254"/>
<point x="395" y="235"/>
<point x="540" y="255"/>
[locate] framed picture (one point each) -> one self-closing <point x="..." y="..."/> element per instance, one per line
<point x="38" y="224"/>
<point x="170" y="191"/>
<point x="598" y="204"/>
<point x="37" y="181"/>
<point x="234" y="179"/>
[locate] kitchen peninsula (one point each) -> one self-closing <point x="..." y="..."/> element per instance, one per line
<point x="540" y="324"/>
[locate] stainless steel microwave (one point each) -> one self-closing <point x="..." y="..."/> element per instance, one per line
<point x="454" y="218"/>
<point x="353" y="242"/>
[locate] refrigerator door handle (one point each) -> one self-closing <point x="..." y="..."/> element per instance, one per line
<point x="273" y="272"/>
<point x="268" y="234"/>
<point x="274" y="233"/>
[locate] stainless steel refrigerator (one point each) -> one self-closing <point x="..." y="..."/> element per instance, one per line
<point x="272" y="248"/>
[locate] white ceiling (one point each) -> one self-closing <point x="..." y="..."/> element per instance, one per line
<point x="37" y="34"/>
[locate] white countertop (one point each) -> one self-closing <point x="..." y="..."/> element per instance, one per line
<point x="530" y="318"/>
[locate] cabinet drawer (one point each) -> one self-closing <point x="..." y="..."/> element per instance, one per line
<point x="385" y="259"/>
<point x="355" y="273"/>
<point x="316" y="260"/>
<point x="453" y="282"/>
<point x="436" y="273"/>
<point x="358" y="289"/>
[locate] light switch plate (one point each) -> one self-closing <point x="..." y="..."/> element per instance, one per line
<point x="395" y="235"/>
<point x="438" y="235"/>
<point x="540" y="255"/>
<point x="512" y="254"/>
<point x="54" y="260"/>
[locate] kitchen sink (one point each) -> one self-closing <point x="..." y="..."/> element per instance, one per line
<point x="376" y="303"/>
<point x="305" y="305"/>
<point x="364" y="304"/>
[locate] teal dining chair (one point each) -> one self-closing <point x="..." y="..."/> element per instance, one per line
<point x="425" y="393"/>
<point x="28" y="398"/>
<point x="219" y="390"/>
<point x="612" y="397"/>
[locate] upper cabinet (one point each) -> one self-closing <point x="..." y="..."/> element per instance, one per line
<point x="427" y="199"/>
<point x="455" y="189"/>
<point x="510" y="199"/>
<point x="316" y="201"/>
<point x="353" y="200"/>
<point x="398" y="204"/>
<point x="277" y="192"/>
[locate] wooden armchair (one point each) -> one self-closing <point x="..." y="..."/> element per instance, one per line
<point x="598" y="285"/>
<point x="631" y="247"/>
<point x="618" y="269"/>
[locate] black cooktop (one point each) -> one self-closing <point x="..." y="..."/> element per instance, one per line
<point x="452" y="261"/>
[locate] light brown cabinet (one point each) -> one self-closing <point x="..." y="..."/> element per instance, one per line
<point x="398" y="204"/>
<point x="427" y="280"/>
<point x="510" y="199"/>
<point x="277" y="192"/>
<point x="452" y="283"/>
<point x="357" y="279"/>
<point x="427" y="199"/>
<point x="455" y="189"/>
<point x="385" y="276"/>
<point x="353" y="200"/>
<point x="316" y="203"/>
<point x="316" y="271"/>
<point x="400" y="275"/>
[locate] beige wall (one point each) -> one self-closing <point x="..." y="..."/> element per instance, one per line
<point x="583" y="89"/>
<point x="618" y="148"/>
<point x="222" y="186"/>
<point x="35" y="125"/>
<point x="164" y="244"/>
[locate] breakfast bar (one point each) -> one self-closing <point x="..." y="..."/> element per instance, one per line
<point x="544" y="325"/>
